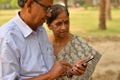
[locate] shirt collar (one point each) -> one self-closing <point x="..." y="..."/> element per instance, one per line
<point x="24" y="28"/>
<point x="41" y="28"/>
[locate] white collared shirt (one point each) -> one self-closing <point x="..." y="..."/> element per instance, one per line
<point x="24" y="53"/>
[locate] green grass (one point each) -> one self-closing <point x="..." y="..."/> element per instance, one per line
<point x="6" y="15"/>
<point x="82" y="22"/>
<point x="85" y="23"/>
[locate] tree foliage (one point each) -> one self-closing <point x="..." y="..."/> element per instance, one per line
<point x="4" y="1"/>
<point x="14" y="3"/>
<point x="8" y="4"/>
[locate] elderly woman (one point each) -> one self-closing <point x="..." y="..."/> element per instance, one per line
<point x="68" y="46"/>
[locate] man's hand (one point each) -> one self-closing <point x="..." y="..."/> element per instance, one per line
<point x="59" y="69"/>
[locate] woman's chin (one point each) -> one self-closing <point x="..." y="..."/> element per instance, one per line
<point x="63" y="35"/>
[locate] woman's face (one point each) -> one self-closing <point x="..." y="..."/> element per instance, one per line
<point x="60" y="26"/>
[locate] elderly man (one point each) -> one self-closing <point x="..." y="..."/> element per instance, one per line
<point x="25" y="51"/>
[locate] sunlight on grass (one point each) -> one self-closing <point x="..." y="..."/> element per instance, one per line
<point x="6" y="15"/>
<point x="83" y="22"/>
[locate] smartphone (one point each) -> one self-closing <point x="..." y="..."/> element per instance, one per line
<point x="89" y="59"/>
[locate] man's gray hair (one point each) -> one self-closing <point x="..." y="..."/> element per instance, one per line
<point x="21" y="3"/>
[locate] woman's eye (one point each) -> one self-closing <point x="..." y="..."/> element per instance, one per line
<point x="66" y="22"/>
<point x="58" y="23"/>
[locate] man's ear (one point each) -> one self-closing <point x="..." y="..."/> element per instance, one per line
<point x="28" y="4"/>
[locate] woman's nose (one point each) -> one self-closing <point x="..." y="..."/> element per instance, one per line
<point x="63" y="26"/>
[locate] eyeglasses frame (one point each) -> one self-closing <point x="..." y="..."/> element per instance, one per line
<point x="46" y="8"/>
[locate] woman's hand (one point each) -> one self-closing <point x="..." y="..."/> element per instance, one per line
<point x="79" y="67"/>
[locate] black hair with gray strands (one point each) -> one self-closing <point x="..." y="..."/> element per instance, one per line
<point x="21" y="3"/>
<point x="56" y="10"/>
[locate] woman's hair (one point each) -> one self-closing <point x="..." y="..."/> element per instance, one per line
<point x="57" y="9"/>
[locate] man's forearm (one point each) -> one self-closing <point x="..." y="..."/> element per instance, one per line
<point x="45" y="76"/>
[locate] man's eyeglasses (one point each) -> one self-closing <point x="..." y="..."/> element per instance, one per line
<point x="47" y="8"/>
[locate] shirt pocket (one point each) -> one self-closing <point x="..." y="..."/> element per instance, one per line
<point x="50" y="49"/>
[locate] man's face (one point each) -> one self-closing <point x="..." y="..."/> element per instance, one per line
<point x="40" y="11"/>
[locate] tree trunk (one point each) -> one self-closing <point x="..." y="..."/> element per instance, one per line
<point x="108" y="10"/>
<point x="102" y="18"/>
<point x="88" y="1"/>
<point x="116" y="4"/>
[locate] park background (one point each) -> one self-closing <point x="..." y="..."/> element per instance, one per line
<point x="97" y="21"/>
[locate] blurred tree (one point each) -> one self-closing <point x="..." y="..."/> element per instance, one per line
<point x="5" y="4"/>
<point x="14" y="4"/>
<point x="88" y="1"/>
<point x="102" y="17"/>
<point x="56" y="1"/>
<point x="108" y="10"/>
<point x="8" y="4"/>
<point x="116" y="4"/>
<point x="4" y="1"/>
<point x="78" y="3"/>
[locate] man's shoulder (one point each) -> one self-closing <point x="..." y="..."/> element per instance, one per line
<point x="6" y="28"/>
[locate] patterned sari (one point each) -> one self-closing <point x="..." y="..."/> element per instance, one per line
<point x="77" y="49"/>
